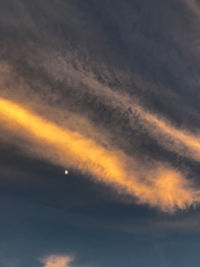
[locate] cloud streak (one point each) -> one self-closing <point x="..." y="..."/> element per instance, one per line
<point x="160" y="186"/>
<point x="181" y="141"/>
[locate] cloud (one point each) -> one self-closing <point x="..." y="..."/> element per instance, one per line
<point x="58" y="261"/>
<point x="88" y="116"/>
<point x="85" y="86"/>
<point x="181" y="141"/>
<point x="159" y="186"/>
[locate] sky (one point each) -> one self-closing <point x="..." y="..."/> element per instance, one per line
<point x="99" y="133"/>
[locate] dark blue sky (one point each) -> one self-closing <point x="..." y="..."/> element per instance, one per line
<point x="87" y="66"/>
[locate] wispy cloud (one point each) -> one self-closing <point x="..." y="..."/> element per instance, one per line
<point x="160" y="186"/>
<point x="181" y="141"/>
<point x="60" y="113"/>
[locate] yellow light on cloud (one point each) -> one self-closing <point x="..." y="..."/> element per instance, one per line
<point x="163" y="187"/>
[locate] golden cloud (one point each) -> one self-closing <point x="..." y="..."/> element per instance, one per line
<point x="162" y="186"/>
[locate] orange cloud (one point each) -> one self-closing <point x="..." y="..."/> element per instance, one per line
<point x="57" y="261"/>
<point x="181" y="141"/>
<point x="161" y="186"/>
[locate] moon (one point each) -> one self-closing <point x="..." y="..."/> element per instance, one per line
<point x="66" y="172"/>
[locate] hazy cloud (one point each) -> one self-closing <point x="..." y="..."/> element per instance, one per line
<point x="58" y="261"/>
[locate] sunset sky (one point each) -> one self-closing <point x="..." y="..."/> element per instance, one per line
<point x="99" y="133"/>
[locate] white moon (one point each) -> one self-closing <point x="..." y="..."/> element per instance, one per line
<point x="66" y="172"/>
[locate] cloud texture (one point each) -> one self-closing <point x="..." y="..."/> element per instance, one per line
<point x="84" y="101"/>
